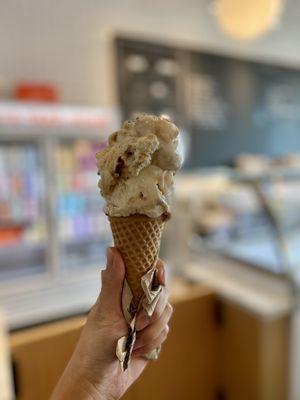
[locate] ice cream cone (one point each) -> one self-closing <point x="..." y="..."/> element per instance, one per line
<point x="138" y="239"/>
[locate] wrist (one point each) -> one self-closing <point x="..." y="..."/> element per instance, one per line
<point x="88" y="391"/>
<point x="93" y="381"/>
<point x="75" y="383"/>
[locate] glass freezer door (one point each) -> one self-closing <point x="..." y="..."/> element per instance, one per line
<point x="83" y="228"/>
<point x="22" y="210"/>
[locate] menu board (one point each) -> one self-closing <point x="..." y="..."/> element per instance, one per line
<point x="227" y="105"/>
<point x="239" y="106"/>
<point x="148" y="79"/>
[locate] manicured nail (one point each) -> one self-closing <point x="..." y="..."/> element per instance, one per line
<point x="110" y="256"/>
<point x="160" y="277"/>
<point x="163" y="276"/>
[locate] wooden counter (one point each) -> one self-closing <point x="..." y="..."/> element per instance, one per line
<point x="214" y="349"/>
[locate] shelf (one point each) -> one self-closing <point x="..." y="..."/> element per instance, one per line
<point x="21" y="248"/>
<point x="20" y="260"/>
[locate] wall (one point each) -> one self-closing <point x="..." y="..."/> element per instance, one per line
<point x="67" y="42"/>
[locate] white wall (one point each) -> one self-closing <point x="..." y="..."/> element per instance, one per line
<point x="67" y="41"/>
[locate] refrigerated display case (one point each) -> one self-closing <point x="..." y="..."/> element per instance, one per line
<point x="22" y="211"/>
<point x="82" y="228"/>
<point x="53" y="233"/>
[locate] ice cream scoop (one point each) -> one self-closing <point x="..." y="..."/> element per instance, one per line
<point x="137" y="168"/>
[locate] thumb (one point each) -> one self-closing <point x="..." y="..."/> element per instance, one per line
<point x="112" y="281"/>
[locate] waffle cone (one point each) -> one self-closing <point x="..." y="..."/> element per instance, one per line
<point x="138" y="239"/>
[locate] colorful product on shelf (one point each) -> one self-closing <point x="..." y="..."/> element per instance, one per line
<point x="36" y="91"/>
<point x="21" y="188"/>
<point x="78" y="202"/>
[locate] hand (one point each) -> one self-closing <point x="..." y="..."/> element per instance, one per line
<point x="94" y="371"/>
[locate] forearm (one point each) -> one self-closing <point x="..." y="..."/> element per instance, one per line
<point x="74" y="385"/>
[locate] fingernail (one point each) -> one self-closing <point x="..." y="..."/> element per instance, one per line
<point x="110" y="256"/>
<point x="163" y="276"/>
<point x="137" y="345"/>
<point x="160" y="277"/>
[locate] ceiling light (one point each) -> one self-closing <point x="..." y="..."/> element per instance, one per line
<point x="248" y="19"/>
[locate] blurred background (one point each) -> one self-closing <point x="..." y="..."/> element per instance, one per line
<point x="228" y="73"/>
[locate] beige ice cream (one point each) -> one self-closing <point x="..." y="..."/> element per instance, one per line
<point x="137" y="168"/>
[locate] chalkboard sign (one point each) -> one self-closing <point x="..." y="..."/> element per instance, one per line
<point x="227" y="105"/>
<point x="147" y="77"/>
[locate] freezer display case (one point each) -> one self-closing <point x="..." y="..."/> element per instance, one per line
<point x="83" y="230"/>
<point x="53" y="233"/>
<point x="22" y="210"/>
